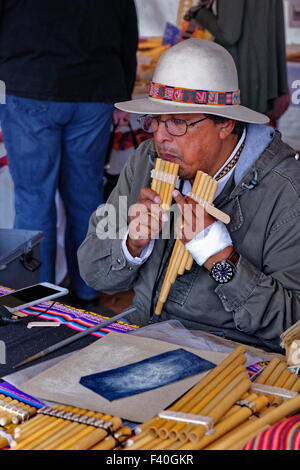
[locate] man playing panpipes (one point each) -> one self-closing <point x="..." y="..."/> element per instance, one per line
<point x="244" y="283"/>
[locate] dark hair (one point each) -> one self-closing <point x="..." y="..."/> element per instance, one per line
<point x="238" y="128"/>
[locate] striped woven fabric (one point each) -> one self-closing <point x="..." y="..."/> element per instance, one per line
<point x="284" y="435"/>
<point x="76" y="319"/>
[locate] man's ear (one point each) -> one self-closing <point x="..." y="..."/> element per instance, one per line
<point x="226" y="127"/>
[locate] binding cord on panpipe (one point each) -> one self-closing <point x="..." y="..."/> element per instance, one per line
<point x="231" y="407"/>
<point x="68" y="428"/>
<point x="203" y="192"/>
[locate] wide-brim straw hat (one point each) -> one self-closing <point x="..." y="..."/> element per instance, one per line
<point x="195" y="76"/>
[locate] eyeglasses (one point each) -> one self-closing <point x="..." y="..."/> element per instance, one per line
<point x="176" y="127"/>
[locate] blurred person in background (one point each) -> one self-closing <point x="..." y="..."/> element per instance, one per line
<point x="64" y="65"/>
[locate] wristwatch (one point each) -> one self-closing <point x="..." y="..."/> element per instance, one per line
<point x="223" y="271"/>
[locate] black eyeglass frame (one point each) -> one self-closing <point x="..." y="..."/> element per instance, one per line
<point x="187" y="125"/>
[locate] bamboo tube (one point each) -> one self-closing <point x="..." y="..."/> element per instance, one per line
<point x="32" y="440"/>
<point x="47" y="427"/>
<point x="276" y="414"/>
<point x="263" y="376"/>
<point x="228" y="424"/>
<point x="212" y="408"/>
<point x="168" y="197"/>
<point x="111" y="441"/>
<point x="152" y="444"/>
<point x="221" y="408"/>
<point x="163" y="184"/>
<point x="241" y="444"/>
<point x="49" y="441"/>
<point x="248" y="397"/>
<point x="209" y="401"/>
<point x="75" y="431"/>
<point x="140" y="443"/>
<point x="88" y="437"/>
<point x="275" y="375"/>
<point x="197" y="393"/>
<point x="155" y="185"/>
<point x="292" y="380"/>
<point x="33" y="426"/>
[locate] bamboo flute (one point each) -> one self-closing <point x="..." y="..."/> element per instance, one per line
<point x="276" y="414"/>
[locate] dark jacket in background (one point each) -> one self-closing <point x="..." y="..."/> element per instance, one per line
<point x="68" y="50"/>
<point x="253" y="32"/>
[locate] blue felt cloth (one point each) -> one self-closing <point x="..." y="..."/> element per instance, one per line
<point x="145" y="375"/>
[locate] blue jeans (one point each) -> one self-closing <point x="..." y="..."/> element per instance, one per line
<point x="54" y="145"/>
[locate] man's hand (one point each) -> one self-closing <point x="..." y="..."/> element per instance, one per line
<point x="193" y="218"/>
<point x="146" y="221"/>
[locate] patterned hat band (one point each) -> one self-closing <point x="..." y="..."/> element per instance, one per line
<point x="191" y="96"/>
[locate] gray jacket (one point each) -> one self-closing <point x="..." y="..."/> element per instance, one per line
<point x="263" y="299"/>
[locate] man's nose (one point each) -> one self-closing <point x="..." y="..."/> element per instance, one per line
<point x="161" y="134"/>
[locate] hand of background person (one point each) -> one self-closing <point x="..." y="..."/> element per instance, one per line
<point x="146" y="221"/>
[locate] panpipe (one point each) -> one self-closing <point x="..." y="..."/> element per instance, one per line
<point x="69" y="428"/>
<point x="203" y="191"/>
<point x="13" y="411"/>
<point x="164" y="179"/>
<point x="224" y="410"/>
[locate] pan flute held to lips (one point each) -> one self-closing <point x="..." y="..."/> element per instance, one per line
<point x="203" y="191"/>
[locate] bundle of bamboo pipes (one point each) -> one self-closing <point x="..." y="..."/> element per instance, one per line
<point x="225" y="396"/>
<point x="68" y="428"/>
<point x="13" y="411"/>
<point x="164" y="179"/>
<point x="203" y="191"/>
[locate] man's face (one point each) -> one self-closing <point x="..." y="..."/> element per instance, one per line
<point x="199" y="149"/>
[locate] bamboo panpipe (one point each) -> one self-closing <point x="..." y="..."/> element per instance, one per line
<point x="211" y="380"/>
<point x="206" y="385"/>
<point x="65" y="428"/>
<point x="111" y="442"/>
<point x="165" y="176"/>
<point x="204" y="188"/>
<point x="231" y="422"/>
<point x="276" y="414"/>
<point x="13" y="411"/>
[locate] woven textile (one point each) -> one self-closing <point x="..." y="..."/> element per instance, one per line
<point x="284" y="435"/>
<point x="76" y="319"/>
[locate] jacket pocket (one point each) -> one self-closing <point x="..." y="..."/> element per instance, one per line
<point x="183" y="286"/>
<point x="236" y="217"/>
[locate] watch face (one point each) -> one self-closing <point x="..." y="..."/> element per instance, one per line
<point x="222" y="272"/>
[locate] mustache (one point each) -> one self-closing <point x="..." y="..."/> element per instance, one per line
<point x="161" y="149"/>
